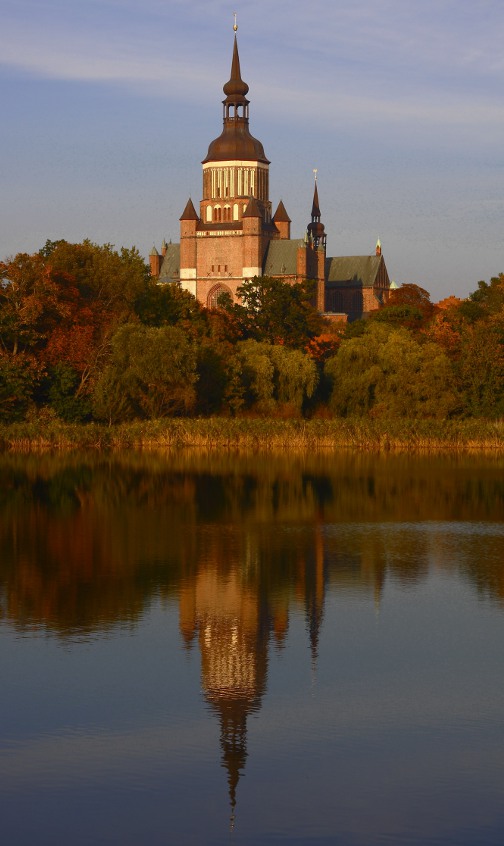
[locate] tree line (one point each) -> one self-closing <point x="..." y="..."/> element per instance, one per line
<point x="86" y="334"/>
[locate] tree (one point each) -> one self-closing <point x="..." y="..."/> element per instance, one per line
<point x="489" y="298"/>
<point x="274" y="311"/>
<point x="480" y="369"/>
<point x="61" y="306"/>
<point x="62" y="394"/>
<point x="151" y="373"/>
<point x="170" y="305"/>
<point x="19" y="377"/>
<point x="386" y="372"/>
<point x="408" y="306"/>
<point x="270" y="378"/>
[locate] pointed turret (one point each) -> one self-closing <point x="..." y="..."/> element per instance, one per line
<point x="189" y="212"/>
<point x="316" y="229"/>
<point x="252" y="209"/>
<point x="155" y="262"/>
<point x="282" y="221"/>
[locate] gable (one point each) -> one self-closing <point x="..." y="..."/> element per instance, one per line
<point x="356" y="271"/>
<point x="170" y="266"/>
<point x="281" y="257"/>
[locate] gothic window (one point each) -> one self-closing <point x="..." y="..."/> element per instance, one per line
<point x="214" y="295"/>
<point x="235" y="211"/>
<point x="227" y="213"/>
<point x="217" y="214"/>
<point x="209" y="214"/>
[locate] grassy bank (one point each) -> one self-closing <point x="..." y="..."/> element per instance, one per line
<point x="259" y="434"/>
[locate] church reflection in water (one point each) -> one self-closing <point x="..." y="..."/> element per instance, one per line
<point x="234" y="617"/>
<point x="238" y="543"/>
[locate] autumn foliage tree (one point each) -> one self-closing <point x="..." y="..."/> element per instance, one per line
<point x="60" y="307"/>
<point x="407" y="306"/>
<point x="86" y="332"/>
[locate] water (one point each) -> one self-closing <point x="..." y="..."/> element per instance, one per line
<point x="251" y="650"/>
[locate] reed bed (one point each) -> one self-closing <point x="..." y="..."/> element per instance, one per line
<point x="258" y="434"/>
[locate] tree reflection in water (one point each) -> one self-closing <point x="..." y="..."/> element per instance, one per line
<point x="87" y="543"/>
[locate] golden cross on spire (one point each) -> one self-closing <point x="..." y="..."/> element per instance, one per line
<point x="235" y="25"/>
<point x="315" y="171"/>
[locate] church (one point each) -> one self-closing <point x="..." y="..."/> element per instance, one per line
<point x="236" y="236"/>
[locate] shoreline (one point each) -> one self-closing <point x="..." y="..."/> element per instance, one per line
<point x="258" y="435"/>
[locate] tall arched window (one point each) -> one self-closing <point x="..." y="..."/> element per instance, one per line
<point x="215" y="293"/>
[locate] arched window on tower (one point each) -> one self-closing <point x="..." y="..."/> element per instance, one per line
<point x="236" y="211"/>
<point x="209" y="214"/>
<point x="227" y="213"/>
<point x="216" y="293"/>
<point x="217" y="214"/>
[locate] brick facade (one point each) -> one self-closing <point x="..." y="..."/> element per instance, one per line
<point x="235" y="237"/>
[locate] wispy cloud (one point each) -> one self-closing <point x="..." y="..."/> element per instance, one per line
<point x="436" y="62"/>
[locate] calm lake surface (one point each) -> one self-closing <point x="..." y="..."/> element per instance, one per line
<point x="209" y="649"/>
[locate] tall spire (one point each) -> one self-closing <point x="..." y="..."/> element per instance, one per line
<point x="316" y="229"/>
<point x="236" y="143"/>
<point x="235" y="87"/>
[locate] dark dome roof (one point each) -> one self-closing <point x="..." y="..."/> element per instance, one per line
<point x="236" y="143"/>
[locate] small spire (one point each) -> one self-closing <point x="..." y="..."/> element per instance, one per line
<point x="316" y="229"/>
<point x="235" y="87"/>
<point x="378" y="248"/>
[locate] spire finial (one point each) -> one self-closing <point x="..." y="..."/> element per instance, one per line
<point x="235" y="25"/>
<point x="315" y="171"/>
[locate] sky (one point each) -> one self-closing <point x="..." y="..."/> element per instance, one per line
<point x="108" y="108"/>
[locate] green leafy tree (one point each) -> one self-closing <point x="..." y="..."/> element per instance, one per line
<point x="63" y="398"/>
<point x="19" y="379"/>
<point x="151" y="373"/>
<point x="487" y="300"/>
<point x="480" y="369"/>
<point x="276" y="312"/>
<point x="295" y="377"/>
<point x="214" y="374"/>
<point x="170" y="305"/>
<point x="270" y="378"/>
<point x="387" y="372"/>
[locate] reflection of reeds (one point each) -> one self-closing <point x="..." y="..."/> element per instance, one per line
<point x="260" y="434"/>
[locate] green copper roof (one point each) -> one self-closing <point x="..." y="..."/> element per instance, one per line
<point x="360" y="271"/>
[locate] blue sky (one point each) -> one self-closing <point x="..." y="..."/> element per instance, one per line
<point x="108" y="107"/>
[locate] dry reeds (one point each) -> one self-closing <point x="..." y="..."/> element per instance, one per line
<point x="259" y="434"/>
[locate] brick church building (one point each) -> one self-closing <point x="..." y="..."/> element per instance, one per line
<point x="236" y="236"/>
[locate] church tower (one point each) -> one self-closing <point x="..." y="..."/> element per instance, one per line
<point x="226" y="243"/>
<point x="233" y="236"/>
